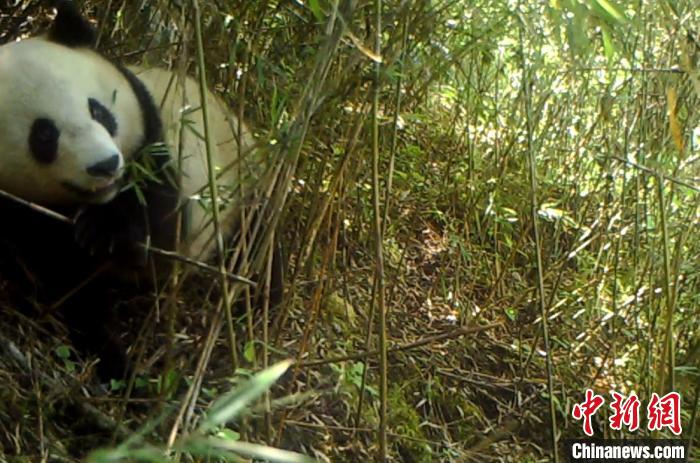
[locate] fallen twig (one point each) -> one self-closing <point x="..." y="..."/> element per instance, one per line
<point x="411" y="345"/>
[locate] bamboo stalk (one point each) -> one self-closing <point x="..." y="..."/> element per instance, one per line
<point x="378" y="240"/>
<point x="212" y="179"/>
<point x="532" y="161"/>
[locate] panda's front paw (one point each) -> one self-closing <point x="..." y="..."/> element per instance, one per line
<point x="104" y="230"/>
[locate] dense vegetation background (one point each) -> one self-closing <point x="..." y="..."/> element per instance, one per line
<point x="532" y="158"/>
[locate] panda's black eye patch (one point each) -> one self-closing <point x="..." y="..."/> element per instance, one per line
<point x="43" y="140"/>
<point x="104" y="116"/>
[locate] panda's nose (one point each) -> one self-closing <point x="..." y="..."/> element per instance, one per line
<point x="106" y="168"/>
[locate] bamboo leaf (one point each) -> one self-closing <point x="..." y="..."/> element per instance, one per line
<point x="316" y="10"/>
<point x="608" y="11"/>
<point x="207" y="446"/>
<point x="229" y="406"/>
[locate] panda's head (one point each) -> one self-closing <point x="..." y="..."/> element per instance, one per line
<point x="69" y="119"/>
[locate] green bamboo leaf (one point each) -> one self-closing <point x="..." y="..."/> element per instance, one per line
<point x="249" y="351"/>
<point x="209" y="446"/>
<point x="609" y="11"/>
<point x="316" y="10"/>
<point x="145" y="455"/>
<point x="230" y="405"/>
<point x="608" y="45"/>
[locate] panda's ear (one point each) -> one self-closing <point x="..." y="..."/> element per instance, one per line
<point x="70" y="28"/>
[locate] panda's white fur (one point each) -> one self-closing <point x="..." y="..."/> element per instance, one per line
<point x="39" y="78"/>
<point x="235" y="163"/>
<point x="70" y="124"/>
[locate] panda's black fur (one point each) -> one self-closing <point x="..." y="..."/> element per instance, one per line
<point x="71" y="29"/>
<point x="63" y="263"/>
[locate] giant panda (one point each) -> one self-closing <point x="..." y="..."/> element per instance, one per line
<point x="74" y="126"/>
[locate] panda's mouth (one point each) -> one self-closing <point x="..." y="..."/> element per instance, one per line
<point x="96" y="194"/>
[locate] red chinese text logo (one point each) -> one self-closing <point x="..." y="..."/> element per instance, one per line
<point x="662" y="412"/>
<point x="665" y="412"/>
<point x="625" y="411"/>
<point x="587" y="409"/>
